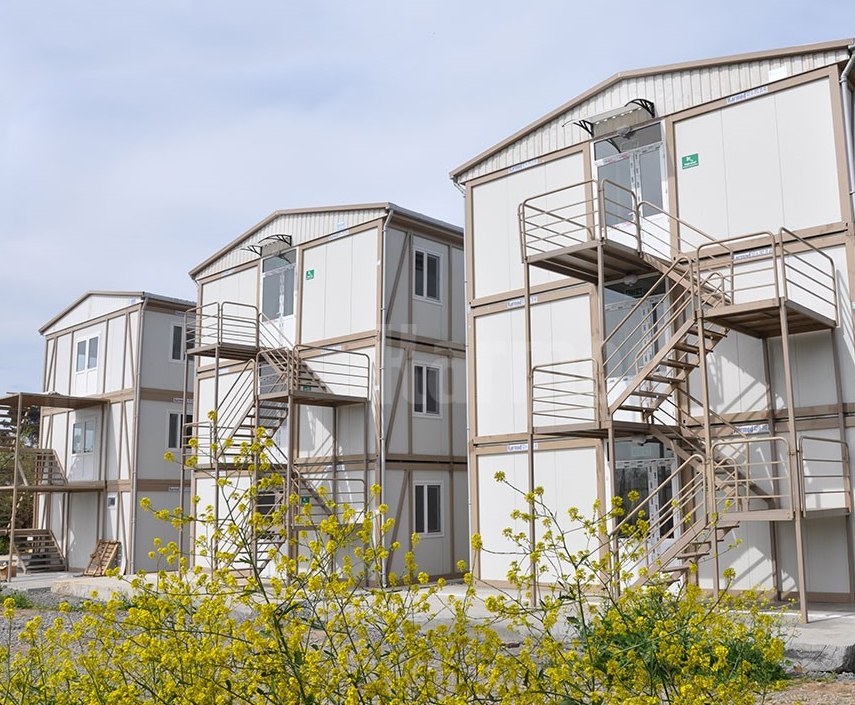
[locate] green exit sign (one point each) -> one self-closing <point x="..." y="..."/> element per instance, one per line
<point x="690" y="160"/>
<point x="310" y="274"/>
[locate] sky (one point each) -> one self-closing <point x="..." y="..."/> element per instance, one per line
<point x="137" y="138"/>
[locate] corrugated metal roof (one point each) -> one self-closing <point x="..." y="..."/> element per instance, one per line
<point x="671" y="88"/>
<point x="178" y="303"/>
<point x="303" y="226"/>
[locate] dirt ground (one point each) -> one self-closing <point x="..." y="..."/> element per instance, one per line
<point x="826" y="689"/>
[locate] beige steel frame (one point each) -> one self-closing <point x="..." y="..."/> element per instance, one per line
<point x="232" y="331"/>
<point x="568" y="231"/>
<point x="49" y="477"/>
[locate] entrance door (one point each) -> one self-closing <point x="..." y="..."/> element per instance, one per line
<point x="647" y="474"/>
<point x="633" y="164"/>
<point x="279" y="299"/>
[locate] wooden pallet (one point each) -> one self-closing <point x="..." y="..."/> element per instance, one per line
<point x="106" y="553"/>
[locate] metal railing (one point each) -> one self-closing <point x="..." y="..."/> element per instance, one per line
<point x="573" y="215"/>
<point x="565" y="392"/>
<point x="824" y="474"/>
<point x="743" y="475"/>
<point x="766" y="265"/>
<point x="686" y="510"/>
<point x="331" y="371"/>
<point x="222" y="323"/>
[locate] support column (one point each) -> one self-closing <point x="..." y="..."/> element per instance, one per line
<point x="17" y="461"/>
<point x="793" y="464"/>
<point x="530" y="419"/>
<point x="841" y="429"/>
<point x="709" y="460"/>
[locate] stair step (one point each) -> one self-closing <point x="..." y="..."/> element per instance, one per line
<point x="687" y="347"/>
<point x="661" y="379"/>
<point x="651" y="395"/>
<point x="678" y="363"/>
<point x="632" y="407"/>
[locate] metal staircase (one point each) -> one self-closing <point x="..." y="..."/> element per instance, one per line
<point x="271" y="382"/>
<point x="639" y="380"/>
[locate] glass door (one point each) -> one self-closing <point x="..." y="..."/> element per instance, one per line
<point x="644" y="469"/>
<point x="632" y="164"/>
<point x="279" y="298"/>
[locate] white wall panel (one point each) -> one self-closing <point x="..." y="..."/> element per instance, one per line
<point x="159" y="370"/>
<point x="763" y="163"/>
<point x="500" y="399"/>
<point x="239" y="287"/>
<point x="115" y="354"/>
<point x="340" y="298"/>
<point x="82" y="529"/>
<point x="496" y="238"/>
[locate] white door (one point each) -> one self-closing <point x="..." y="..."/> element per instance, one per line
<point x="279" y="299"/>
<point x="633" y="168"/>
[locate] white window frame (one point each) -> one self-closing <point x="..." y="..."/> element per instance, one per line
<point x="425" y="484"/>
<point x="424" y="411"/>
<point x="280" y="273"/>
<point x="87" y="345"/>
<point x="177" y="414"/>
<point x="172" y="357"/>
<point x="82" y="425"/>
<point x="423" y="295"/>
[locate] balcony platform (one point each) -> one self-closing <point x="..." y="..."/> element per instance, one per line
<point x="580" y="261"/>
<point x="762" y="319"/>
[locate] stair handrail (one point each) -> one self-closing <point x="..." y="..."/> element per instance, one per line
<point x="281" y="361"/>
<point x="682" y="304"/>
<point x="232" y="322"/>
<point x="605" y="229"/>
<point x="845" y="474"/>
<point x="697" y="483"/>
<point x="673" y="219"/>
<point x="236" y="402"/>
<point x="569" y="378"/>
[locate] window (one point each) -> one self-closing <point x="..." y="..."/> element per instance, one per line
<point x="173" y="430"/>
<point x="87" y="354"/>
<point x="277" y="285"/>
<point x="83" y="437"/>
<point x="176" y="350"/>
<point x="426" y="390"/>
<point x="426" y="275"/>
<point x="428" y="509"/>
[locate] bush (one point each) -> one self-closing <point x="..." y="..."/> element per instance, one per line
<point x="320" y="631"/>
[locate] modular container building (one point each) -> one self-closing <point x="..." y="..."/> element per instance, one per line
<point x="339" y="332"/>
<point x="660" y="271"/>
<point x="112" y="401"/>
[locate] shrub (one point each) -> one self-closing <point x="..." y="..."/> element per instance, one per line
<point x="321" y="630"/>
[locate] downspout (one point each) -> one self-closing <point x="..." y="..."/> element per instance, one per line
<point x="382" y="366"/>
<point x="848" y="128"/>
<point x="134" y="478"/>
<point x="466" y="353"/>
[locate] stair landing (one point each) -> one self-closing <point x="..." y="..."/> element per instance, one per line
<point x="762" y="319"/>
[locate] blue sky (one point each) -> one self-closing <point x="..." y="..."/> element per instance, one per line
<point x="137" y="138"/>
